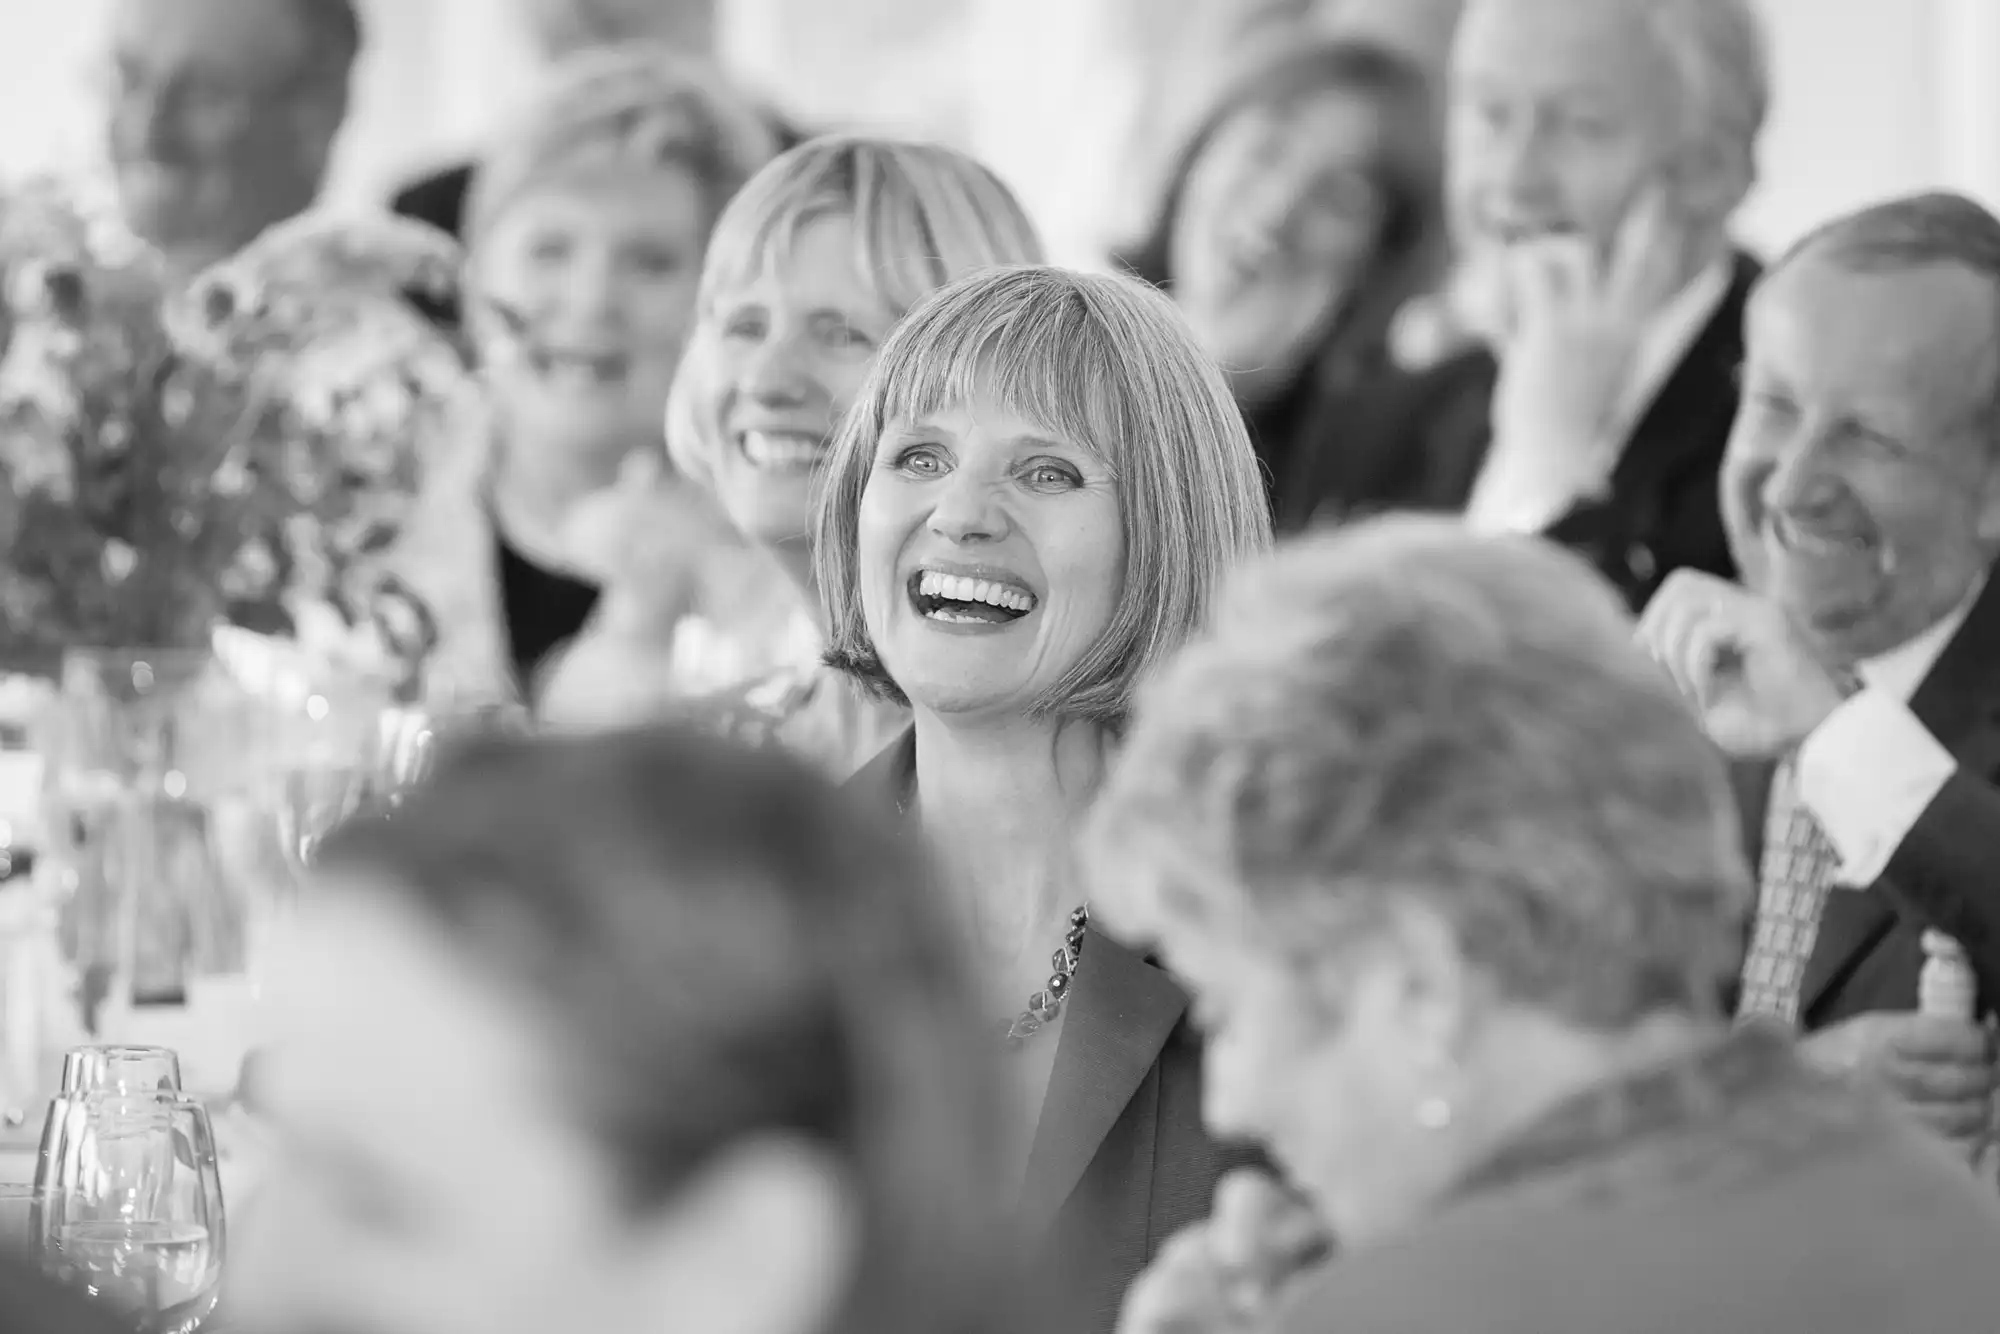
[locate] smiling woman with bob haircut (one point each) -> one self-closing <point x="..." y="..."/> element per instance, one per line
<point x="1032" y="502"/>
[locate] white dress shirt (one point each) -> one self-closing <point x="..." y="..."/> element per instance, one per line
<point x="1520" y="490"/>
<point x="1869" y="771"/>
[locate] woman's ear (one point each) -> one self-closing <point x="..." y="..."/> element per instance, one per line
<point x="1436" y="996"/>
<point x="764" y="1241"/>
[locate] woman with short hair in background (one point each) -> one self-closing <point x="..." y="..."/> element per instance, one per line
<point x="586" y="232"/>
<point x="1038" y="489"/>
<point x="636" y="1032"/>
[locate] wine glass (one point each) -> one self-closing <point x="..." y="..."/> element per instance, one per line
<point x="120" y="1069"/>
<point x="128" y="1203"/>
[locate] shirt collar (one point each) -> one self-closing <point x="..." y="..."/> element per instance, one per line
<point x="1902" y="669"/>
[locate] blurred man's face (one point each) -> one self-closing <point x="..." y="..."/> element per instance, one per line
<point x="221" y="119"/>
<point x="1562" y="113"/>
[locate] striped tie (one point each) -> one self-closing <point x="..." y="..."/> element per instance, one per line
<point x="1793" y="880"/>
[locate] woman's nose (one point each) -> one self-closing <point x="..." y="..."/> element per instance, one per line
<point x="776" y="375"/>
<point x="967" y="510"/>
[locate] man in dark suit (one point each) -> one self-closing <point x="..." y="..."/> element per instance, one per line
<point x="561" y="27"/>
<point x="1596" y="152"/>
<point x="1855" y="674"/>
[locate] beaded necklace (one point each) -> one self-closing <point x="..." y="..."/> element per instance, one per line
<point x="1045" y="1005"/>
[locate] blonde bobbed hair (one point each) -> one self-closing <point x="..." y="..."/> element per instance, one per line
<point x="923" y="215"/>
<point x="1105" y="363"/>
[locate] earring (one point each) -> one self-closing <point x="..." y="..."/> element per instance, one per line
<point x="1434" y="1113"/>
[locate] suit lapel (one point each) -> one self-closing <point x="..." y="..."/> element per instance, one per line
<point x="1679" y="429"/>
<point x="1954" y="704"/>
<point x="1752" y="781"/>
<point x="1119" y="1016"/>
<point x="891" y="777"/>
<point x="1120" y="1012"/>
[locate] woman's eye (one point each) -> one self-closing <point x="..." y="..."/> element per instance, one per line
<point x="841" y="335"/>
<point x="847" y="335"/>
<point x="744" y="324"/>
<point x="1053" y="476"/>
<point x="1770" y="404"/>
<point x="923" y="461"/>
<point x="657" y="263"/>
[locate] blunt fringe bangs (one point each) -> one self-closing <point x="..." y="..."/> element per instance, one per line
<point x="1104" y="363"/>
<point x="923" y="215"/>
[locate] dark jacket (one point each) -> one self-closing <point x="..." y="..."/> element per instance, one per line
<point x="1945" y="874"/>
<point x="1120" y="1161"/>
<point x="1734" y="1193"/>
<point x="1426" y="436"/>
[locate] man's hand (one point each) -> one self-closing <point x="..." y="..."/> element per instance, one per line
<point x="1752" y="675"/>
<point x="1577" y="323"/>
<point x="1942" y="1068"/>
<point x="1224" y="1275"/>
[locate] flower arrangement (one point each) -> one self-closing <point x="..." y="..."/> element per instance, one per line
<point x="241" y="451"/>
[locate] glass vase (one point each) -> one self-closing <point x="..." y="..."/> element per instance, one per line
<point x="142" y="745"/>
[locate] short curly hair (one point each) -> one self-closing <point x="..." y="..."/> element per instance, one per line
<point x="1404" y="712"/>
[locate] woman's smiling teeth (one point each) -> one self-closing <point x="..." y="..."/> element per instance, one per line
<point x="580" y="370"/>
<point x="784" y="449"/>
<point x="959" y="600"/>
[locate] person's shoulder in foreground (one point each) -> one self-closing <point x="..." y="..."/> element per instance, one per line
<point x="1862" y="1226"/>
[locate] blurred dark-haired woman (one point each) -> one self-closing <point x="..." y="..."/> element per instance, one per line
<point x="1299" y="217"/>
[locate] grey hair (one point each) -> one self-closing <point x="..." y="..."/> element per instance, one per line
<point x="1912" y="232"/>
<point x="1721" y="56"/>
<point x="632" y="108"/>
<point x="1403" y="714"/>
<point x="1108" y="364"/>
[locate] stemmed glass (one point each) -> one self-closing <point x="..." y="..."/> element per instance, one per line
<point x="128" y="1198"/>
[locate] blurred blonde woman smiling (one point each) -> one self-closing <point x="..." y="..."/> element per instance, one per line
<point x="586" y="229"/>
<point x="811" y="266"/>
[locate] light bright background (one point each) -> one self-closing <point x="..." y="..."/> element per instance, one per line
<point x="1875" y="97"/>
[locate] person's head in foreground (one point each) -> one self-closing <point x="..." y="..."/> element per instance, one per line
<point x="637" y="1032"/>
<point x="1565" y="116"/>
<point x="1861" y="489"/>
<point x="1036" y="494"/>
<point x="810" y="267"/>
<point x="1435" y="846"/>
<point x="585" y="231"/>
<point x="221" y="115"/>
